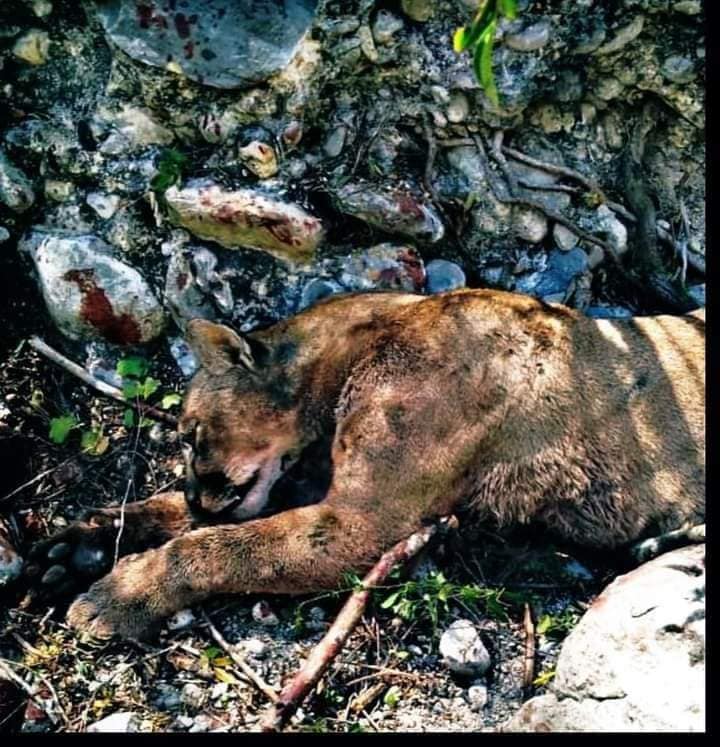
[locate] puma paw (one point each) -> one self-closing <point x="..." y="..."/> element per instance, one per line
<point x="66" y="562"/>
<point x="125" y="603"/>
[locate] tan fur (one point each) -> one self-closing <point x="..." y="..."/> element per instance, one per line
<point x="517" y="410"/>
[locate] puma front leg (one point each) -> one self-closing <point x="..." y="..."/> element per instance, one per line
<point x="299" y="551"/>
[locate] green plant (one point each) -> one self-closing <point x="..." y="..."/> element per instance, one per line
<point x="169" y="170"/>
<point x="138" y="386"/>
<point x="556" y="627"/>
<point x="430" y="598"/>
<point x="478" y="38"/>
<point x="60" y="427"/>
<point x="544" y="677"/>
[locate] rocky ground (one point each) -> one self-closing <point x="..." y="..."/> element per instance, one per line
<point x="352" y="149"/>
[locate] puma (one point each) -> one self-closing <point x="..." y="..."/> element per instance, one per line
<point x="410" y="407"/>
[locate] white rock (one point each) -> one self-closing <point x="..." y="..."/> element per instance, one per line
<point x="123" y="721"/>
<point x="564" y="237"/>
<point x="193" y="695"/>
<point x="262" y="613"/>
<point x="615" y="229"/>
<point x="530" y="225"/>
<point x="181" y="619"/>
<point x="89" y="294"/>
<point x="104" y="205"/>
<point x="531" y="38"/>
<point x="463" y="651"/>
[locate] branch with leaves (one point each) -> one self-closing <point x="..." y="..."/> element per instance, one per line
<point x="479" y="38"/>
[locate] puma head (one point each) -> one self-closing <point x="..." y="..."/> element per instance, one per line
<point x="239" y="426"/>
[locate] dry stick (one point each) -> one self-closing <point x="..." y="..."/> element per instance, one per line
<point x="244" y="667"/>
<point x="529" y="660"/>
<point x="107" y="389"/>
<point x="333" y="641"/>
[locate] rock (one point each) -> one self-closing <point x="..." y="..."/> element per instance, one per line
<point x="193" y="695"/>
<point x="623" y="36"/>
<point x="418" y="10"/>
<point x="458" y="108"/>
<point x="4" y="234"/>
<point x="41" y="8"/>
<point x="255" y="647"/>
<point x="224" y="44"/>
<point x="477" y="696"/>
<point x="697" y="292"/>
<point x="123" y="721"/>
<point x="561" y="269"/>
<point x="608" y="312"/>
<point x="688" y="7"/>
<point x="11" y="564"/>
<point x="33" y="47"/>
<point x="636" y="660"/>
<point x="394" y="211"/>
<point x="15" y="188"/>
<point x="386" y="26"/>
<point x="130" y="128"/>
<point x="167" y="698"/>
<point x="529" y="225"/>
<point x="262" y="613"/>
<point x="443" y="276"/>
<point x="260" y="158"/>
<point x="183" y="356"/>
<point x="564" y="237"/>
<point x="463" y="651"/>
<point x="316" y="290"/>
<point x="678" y="69"/>
<point x="615" y="230"/>
<point x="91" y="295"/>
<point x="382" y="267"/>
<point x="335" y="141"/>
<point x="104" y="205"/>
<point x="193" y="286"/>
<point x="529" y="39"/>
<point x="59" y="191"/>
<point x="181" y="619"/>
<point x="245" y="218"/>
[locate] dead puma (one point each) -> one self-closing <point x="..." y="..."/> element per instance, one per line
<point x="496" y="402"/>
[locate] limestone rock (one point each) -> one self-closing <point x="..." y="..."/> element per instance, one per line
<point x="219" y="43"/>
<point x="245" y="218"/>
<point x="463" y="651"/>
<point x="91" y="295"/>
<point x="636" y="660"/>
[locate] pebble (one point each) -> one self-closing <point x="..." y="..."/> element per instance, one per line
<point x="688" y="7"/>
<point x="530" y="225"/>
<point x="418" y="10"/>
<point x="442" y="275"/>
<point x="623" y="36"/>
<point x="463" y="651"/>
<point x="262" y="613"/>
<point x="104" y="205"/>
<point x="530" y="39"/>
<point x="458" y="108"/>
<point x="4" y="234"/>
<point x="678" y="69"/>
<point x="613" y="228"/>
<point x="15" y="188"/>
<point x="564" y="237"/>
<point x="181" y="619"/>
<point x="33" y="47"/>
<point x="192" y="695"/>
<point x="697" y="292"/>
<point x="123" y="721"/>
<point x="255" y="647"/>
<point x="477" y="696"/>
<point x="386" y="26"/>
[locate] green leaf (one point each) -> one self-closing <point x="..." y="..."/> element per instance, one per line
<point x="392" y="696"/>
<point x="128" y="418"/>
<point x="131" y="389"/>
<point x="544" y="677"/>
<point x="132" y="367"/>
<point x="509" y="9"/>
<point x="149" y="387"/>
<point x="482" y="62"/>
<point x="544" y="624"/>
<point x="94" y="442"/>
<point x="212" y="652"/>
<point x="60" y="427"/>
<point x="390" y="601"/>
<point x="170" y="400"/>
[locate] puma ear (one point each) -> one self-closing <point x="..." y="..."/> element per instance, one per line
<point x="219" y="348"/>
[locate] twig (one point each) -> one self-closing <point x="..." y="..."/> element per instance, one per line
<point x="107" y="389"/>
<point x="121" y="528"/>
<point x="35" y="479"/>
<point x="342" y="627"/>
<point x="244" y="667"/>
<point x="529" y="659"/>
<point x="367" y="697"/>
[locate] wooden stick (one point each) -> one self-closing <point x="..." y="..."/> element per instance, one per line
<point x="244" y="667"/>
<point x="107" y="389"/>
<point x="529" y="659"/>
<point x="333" y="641"/>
